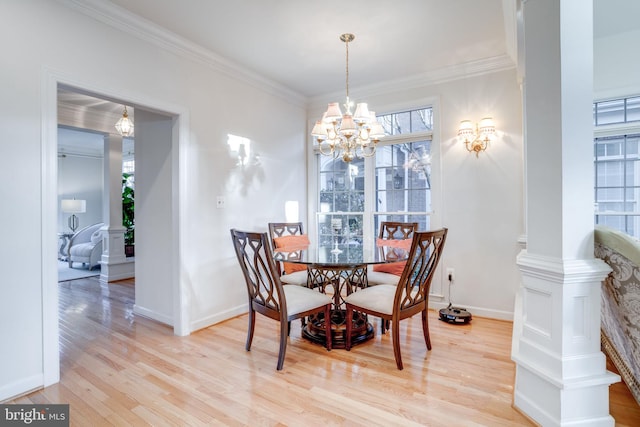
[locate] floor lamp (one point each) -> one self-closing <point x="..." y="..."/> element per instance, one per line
<point x="73" y="207"/>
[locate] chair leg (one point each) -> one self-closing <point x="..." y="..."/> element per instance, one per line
<point x="284" y="328"/>
<point x="349" y="320"/>
<point x="425" y="329"/>
<point x="252" y="324"/>
<point x="289" y="328"/>
<point x="327" y="325"/>
<point x="395" y="333"/>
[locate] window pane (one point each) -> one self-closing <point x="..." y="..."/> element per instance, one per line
<point x="401" y="183"/>
<point x="632" y="146"/>
<point x="609" y="174"/>
<point x="421" y="120"/>
<point x="633" y="109"/>
<point x="610" y="112"/>
<point x="403" y="180"/>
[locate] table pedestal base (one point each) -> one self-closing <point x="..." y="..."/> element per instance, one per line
<point x="362" y="331"/>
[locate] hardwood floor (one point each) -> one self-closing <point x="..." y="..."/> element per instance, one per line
<point x="121" y="369"/>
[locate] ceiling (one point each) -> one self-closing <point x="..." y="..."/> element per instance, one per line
<point x="295" y="43"/>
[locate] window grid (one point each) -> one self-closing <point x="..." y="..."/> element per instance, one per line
<point x="617" y="182"/>
<point x="401" y="177"/>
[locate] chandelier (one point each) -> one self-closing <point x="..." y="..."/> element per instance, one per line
<point x="124" y="126"/>
<point x="348" y="135"/>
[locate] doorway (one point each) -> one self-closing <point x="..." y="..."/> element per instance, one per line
<point x="168" y="122"/>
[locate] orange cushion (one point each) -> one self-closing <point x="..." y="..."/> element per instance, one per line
<point x="391" y="267"/>
<point x="290" y="267"/>
<point x="298" y="241"/>
<point x="395" y="243"/>
<point x="400" y="250"/>
<point x="291" y="241"/>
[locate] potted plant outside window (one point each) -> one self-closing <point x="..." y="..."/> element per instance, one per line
<point x="128" y="219"/>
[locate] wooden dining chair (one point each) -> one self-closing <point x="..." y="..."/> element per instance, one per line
<point x="390" y="235"/>
<point x="406" y="299"/>
<point x="268" y="296"/>
<point x="392" y="232"/>
<point x="290" y="274"/>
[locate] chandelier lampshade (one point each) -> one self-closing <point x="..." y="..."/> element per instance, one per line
<point x="348" y="135"/>
<point x="124" y="126"/>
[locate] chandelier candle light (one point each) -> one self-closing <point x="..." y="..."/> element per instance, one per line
<point x="348" y="135"/>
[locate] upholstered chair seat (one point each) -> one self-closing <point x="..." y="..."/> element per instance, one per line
<point x="86" y="246"/>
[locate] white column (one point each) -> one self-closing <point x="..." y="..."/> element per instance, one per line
<point x="561" y="376"/>
<point x="114" y="264"/>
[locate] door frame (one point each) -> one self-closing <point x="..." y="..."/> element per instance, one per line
<point x="49" y="184"/>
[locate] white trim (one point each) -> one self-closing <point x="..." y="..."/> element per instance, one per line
<point x="434" y="77"/>
<point x="50" y="81"/>
<point x="143" y="29"/>
<point x="619" y="129"/>
<point x="211" y="320"/>
<point x="18" y="388"/>
<point x="153" y="315"/>
<point x="49" y="204"/>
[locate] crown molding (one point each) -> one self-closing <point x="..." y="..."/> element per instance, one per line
<point x="433" y="77"/>
<point x="143" y="29"/>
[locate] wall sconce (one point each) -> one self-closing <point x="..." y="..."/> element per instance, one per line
<point x="477" y="139"/>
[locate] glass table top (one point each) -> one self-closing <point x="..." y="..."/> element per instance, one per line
<point x="340" y="255"/>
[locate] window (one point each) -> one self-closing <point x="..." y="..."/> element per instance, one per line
<point x="392" y="185"/>
<point x="617" y="164"/>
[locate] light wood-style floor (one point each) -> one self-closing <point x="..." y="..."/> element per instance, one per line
<point x="121" y="369"/>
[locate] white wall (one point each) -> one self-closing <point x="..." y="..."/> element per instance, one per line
<point x="41" y="41"/>
<point x="154" y="216"/>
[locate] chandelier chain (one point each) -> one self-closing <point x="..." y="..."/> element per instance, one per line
<point x="347" y="71"/>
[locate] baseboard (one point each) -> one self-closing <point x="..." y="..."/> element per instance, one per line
<point x="219" y="317"/>
<point x="145" y="312"/>
<point x="21" y="387"/>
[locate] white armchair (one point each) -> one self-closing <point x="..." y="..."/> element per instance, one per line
<point x="86" y="246"/>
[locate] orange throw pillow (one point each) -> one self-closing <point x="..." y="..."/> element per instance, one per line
<point x="290" y="267"/>
<point x="291" y="241"/>
<point x="299" y="241"/>
<point x="402" y="246"/>
<point x="391" y="267"/>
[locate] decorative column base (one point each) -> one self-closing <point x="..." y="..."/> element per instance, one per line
<point x="561" y="376"/>
<point x="114" y="264"/>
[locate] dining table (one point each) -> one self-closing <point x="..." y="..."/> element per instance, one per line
<point x="338" y="270"/>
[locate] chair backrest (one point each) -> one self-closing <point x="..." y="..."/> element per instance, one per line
<point x="260" y="273"/>
<point x="412" y="293"/>
<point x="84" y="235"/>
<point x="283" y="229"/>
<point x="391" y="230"/>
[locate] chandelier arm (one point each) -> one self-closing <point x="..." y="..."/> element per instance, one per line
<point x="331" y="148"/>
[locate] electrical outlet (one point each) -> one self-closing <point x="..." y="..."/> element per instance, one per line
<point x="220" y="202"/>
<point x="451" y="274"/>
